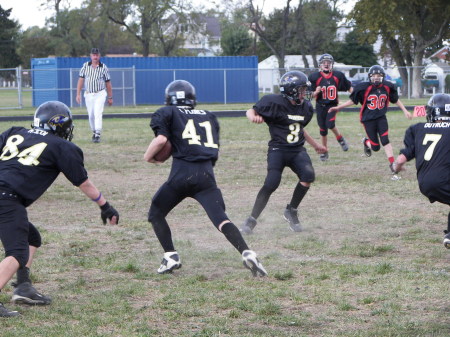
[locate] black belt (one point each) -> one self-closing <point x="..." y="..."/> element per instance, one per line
<point x="5" y="194"/>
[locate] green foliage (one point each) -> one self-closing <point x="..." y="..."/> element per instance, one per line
<point x="9" y="32"/>
<point x="35" y="42"/>
<point x="235" y="40"/>
<point x="355" y="50"/>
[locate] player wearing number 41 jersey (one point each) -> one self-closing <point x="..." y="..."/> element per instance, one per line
<point x="325" y="85"/>
<point x="374" y="97"/>
<point x="429" y="144"/>
<point x="194" y="135"/>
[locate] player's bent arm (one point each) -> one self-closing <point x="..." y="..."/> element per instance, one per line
<point x="406" y="112"/>
<point x="342" y="106"/>
<point x="399" y="162"/>
<point x="107" y="211"/>
<point x="253" y="116"/>
<point x="79" y="86"/>
<point x="311" y="141"/>
<point x="154" y="147"/>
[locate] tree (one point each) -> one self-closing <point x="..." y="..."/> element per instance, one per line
<point x="139" y="17"/>
<point x="236" y="39"/>
<point x="408" y="28"/>
<point x="355" y="50"/>
<point x="278" y="43"/>
<point x="35" y="42"/>
<point x="9" y="33"/>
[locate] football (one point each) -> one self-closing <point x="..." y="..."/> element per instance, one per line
<point x="164" y="153"/>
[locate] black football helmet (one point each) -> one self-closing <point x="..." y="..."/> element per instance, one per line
<point x="54" y="117"/>
<point x="376" y="70"/>
<point x="180" y="92"/>
<point x="438" y="108"/>
<point x="326" y="57"/>
<point x="292" y="83"/>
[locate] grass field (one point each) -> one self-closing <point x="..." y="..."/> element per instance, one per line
<point x="370" y="261"/>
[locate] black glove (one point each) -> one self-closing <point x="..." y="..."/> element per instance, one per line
<point x="107" y="212"/>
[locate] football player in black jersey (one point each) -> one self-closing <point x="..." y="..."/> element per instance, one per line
<point x="374" y="97"/>
<point x="429" y="144"/>
<point x="286" y="116"/>
<point x="30" y="161"/>
<point x="194" y="135"/>
<point x="325" y="85"/>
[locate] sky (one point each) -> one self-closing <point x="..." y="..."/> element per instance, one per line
<point x="29" y="12"/>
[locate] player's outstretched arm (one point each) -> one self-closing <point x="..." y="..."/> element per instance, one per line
<point x="406" y="112"/>
<point x="341" y="106"/>
<point x="154" y="147"/>
<point x="253" y="116"/>
<point x="107" y="211"/>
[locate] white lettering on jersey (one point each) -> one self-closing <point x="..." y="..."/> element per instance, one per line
<point x="437" y="125"/>
<point x="192" y="112"/>
<point x="38" y="132"/>
<point x="296" y="117"/>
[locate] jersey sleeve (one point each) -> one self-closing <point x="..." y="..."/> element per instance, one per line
<point x="393" y="92"/>
<point x="313" y="80"/>
<point x="160" y="122"/>
<point x="83" y="71"/>
<point x="71" y="163"/>
<point x="309" y="112"/>
<point x="409" y="150"/>
<point x="264" y="107"/>
<point x="107" y="76"/>
<point x="357" y="96"/>
<point x="344" y="83"/>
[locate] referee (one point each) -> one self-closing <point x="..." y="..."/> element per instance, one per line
<point x="97" y="80"/>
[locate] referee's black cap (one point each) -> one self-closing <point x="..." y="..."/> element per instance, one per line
<point x="95" y="51"/>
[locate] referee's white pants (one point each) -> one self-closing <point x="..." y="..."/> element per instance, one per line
<point x="95" y="102"/>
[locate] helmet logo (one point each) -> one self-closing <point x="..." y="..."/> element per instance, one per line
<point x="447" y="107"/>
<point x="57" y="120"/>
<point x="437" y="111"/>
<point x="180" y="95"/>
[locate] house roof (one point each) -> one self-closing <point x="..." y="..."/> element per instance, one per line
<point x="442" y="53"/>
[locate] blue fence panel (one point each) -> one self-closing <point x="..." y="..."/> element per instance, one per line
<point x="225" y="79"/>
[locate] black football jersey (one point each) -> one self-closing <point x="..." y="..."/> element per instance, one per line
<point x="374" y="99"/>
<point x="330" y="84"/>
<point x="429" y="144"/>
<point x="285" y="120"/>
<point x="30" y="161"/>
<point x="194" y="134"/>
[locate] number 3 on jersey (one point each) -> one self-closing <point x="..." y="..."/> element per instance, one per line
<point x="28" y="156"/>
<point x="190" y="133"/>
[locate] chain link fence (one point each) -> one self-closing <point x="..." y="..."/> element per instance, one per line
<point x="17" y="90"/>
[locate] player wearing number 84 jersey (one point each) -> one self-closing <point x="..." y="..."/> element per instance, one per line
<point x="374" y="97"/>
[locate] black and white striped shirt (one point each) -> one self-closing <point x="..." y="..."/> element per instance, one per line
<point x="95" y="78"/>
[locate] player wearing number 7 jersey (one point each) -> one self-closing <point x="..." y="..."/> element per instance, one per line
<point x="374" y="97"/>
<point x="194" y="135"/>
<point x="286" y="116"/>
<point x="429" y="144"/>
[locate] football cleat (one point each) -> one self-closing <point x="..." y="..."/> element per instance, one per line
<point x="324" y="156"/>
<point x="290" y="215"/>
<point x="4" y="312"/>
<point x="25" y="293"/>
<point x="367" y="150"/>
<point x="343" y="143"/>
<point x="170" y="262"/>
<point x="447" y="239"/>
<point x="96" y="138"/>
<point x="251" y="262"/>
<point x="248" y="225"/>
<point x="394" y="173"/>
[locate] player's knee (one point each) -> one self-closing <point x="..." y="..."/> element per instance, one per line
<point x="308" y="175"/>
<point x="154" y="214"/>
<point x="384" y="140"/>
<point x="20" y="254"/>
<point x="323" y="132"/>
<point x="34" y="237"/>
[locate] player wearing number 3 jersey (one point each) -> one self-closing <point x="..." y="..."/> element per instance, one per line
<point x="194" y="135"/>
<point x="286" y="116"/>
<point x="374" y="97"/>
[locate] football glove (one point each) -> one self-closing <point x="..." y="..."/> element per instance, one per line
<point x="107" y="212"/>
